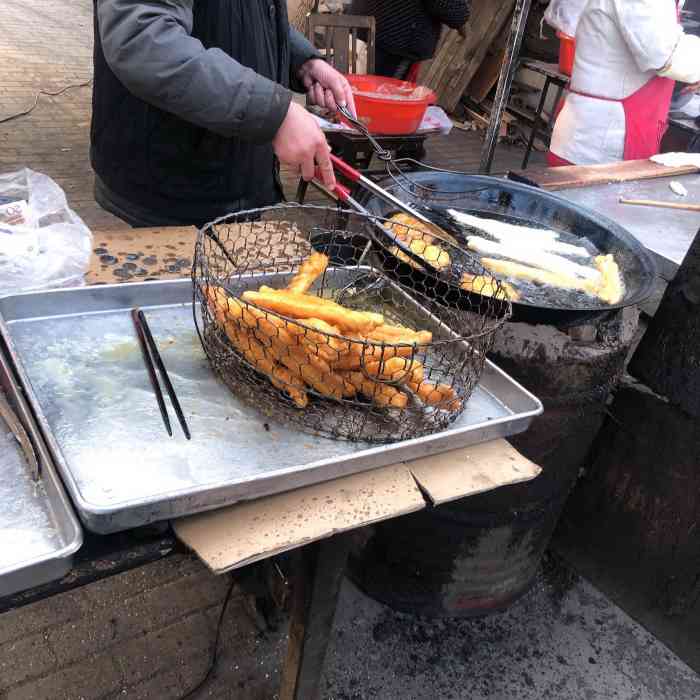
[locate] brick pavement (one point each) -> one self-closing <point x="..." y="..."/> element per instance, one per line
<point x="146" y="633"/>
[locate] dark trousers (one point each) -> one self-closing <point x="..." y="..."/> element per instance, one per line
<point x="391" y="65"/>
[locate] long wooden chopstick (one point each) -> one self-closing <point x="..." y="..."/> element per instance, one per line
<point x="660" y="204"/>
<point x="151" y="370"/>
<point x="164" y="374"/>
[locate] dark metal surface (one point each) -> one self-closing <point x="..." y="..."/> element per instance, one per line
<point x="505" y="82"/>
<point x="519" y="203"/>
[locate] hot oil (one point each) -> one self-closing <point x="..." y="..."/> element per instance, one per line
<point x="530" y="292"/>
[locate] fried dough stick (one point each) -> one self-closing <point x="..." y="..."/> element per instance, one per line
<point x="487" y="287"/>
<point x="304" y="306"/>
<point x="381" y="394"/>
<point x="411" y="373"/>
<point x="534" y="274"/>
<point x="312" y="268"/>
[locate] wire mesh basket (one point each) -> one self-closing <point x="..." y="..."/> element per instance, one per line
<point x="299" y="315"/>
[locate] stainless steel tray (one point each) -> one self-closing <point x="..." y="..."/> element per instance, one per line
<point x="77" y="355"/>
<point x="39" y="532"/>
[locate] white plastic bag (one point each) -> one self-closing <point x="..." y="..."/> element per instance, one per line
<point x="43" y="243"/>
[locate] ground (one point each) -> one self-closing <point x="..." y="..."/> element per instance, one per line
<point x="148" y="633"/>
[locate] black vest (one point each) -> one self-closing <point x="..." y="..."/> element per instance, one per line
<point x="170" y="166"/>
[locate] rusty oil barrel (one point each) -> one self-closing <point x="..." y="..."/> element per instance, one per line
<point x="479" y="554"/>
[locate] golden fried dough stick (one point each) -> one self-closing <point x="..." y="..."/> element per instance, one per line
<point x="254" y="352"/>
<point x="408" y="228"/>
<point x="535" y="274"/>
<point x="303" y="306"/>
<point x="431" y="253"/>
<point x="488" y="287"/>
<point x="440" y="395"/>
<point x="250" y="348"/>
<point x="381" y="394"/>
<point x="400" y="334"/>
<point x="612" y="288"/>
<point x="361" y="353"/>
<point x="312" y="268"/>
<point x="397" y="369"/>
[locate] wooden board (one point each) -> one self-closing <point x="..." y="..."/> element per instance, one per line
<point x="163" y="253"/>
<point x="569" y="177"/>
<point x="238" y="535"/>
<point x="486" y="76"/>
<point x="458" y="58"/>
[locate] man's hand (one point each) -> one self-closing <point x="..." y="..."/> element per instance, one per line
<point x="301" y="143"/>
<point x="695" y="87"/>
<point x="325" y="86"/>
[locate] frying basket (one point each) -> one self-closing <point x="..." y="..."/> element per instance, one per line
<point x="337" y="384"/>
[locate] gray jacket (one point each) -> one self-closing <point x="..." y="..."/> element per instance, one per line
<point x="221" y="66"/>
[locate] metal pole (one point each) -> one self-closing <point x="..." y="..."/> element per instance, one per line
<point x="505" y="82"/>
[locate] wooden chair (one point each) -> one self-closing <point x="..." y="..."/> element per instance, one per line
<point x="338" y="35"/>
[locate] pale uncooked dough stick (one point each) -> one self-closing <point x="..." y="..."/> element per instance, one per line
<point x="533" y="274"/>
<point x="533" y="256"/>
<point x="543" y="239"/>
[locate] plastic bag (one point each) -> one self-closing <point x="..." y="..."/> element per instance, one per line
<point x="564" y="15"/>
<point x="43" y="243"/>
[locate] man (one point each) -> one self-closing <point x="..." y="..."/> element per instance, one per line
<point x="629" y="53"/>
<point x="408" y="30"/>
<point x="192" y="108"/>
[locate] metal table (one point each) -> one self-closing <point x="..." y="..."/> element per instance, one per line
<point x="666" y="233"/>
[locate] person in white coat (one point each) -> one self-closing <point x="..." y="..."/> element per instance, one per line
<point x="629" y="53"/>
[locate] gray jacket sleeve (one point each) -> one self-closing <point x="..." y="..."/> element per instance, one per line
<point x="149" y="47"/>
<point x="301" y="50"/>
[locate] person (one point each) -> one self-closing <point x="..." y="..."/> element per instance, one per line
<point x="629" y="53"/>
<point x="408" y="31"/>
<point x="192" y="107"/>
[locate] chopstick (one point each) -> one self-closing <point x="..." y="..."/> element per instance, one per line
<point x="151" y="355"/>
<point x="660" y="204"/>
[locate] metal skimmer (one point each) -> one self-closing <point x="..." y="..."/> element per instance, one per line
<point x="346" y="384"/>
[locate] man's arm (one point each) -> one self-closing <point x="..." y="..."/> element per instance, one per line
<point x="149" y="47"/>
<point x="301" y="50"/>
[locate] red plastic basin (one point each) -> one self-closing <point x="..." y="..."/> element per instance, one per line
<point x="389" y="106"/>
<point x="567" y="53"/>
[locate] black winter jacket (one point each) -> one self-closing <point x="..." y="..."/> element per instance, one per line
<point x="411" y="28"/>
<point x="187" y="98"/>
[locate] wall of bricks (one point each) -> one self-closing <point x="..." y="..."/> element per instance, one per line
<point x="146" y="633"/>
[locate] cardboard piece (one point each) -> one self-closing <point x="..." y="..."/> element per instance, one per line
<point x="163" y="253"/>
<point x="466" y="472"/>
<point x="241" y="534"/>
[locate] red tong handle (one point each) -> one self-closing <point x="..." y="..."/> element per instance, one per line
<point x="344" y="169"/>
<point x="340" y="191"/>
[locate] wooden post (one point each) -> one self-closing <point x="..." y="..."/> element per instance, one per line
<point x="319" y="571"/>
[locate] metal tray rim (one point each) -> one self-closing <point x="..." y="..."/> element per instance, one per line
<point x="522" y="419"/>
<point x="71" y="525"/>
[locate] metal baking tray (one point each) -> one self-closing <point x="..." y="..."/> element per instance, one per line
<point x="77" y="355"/>
<point x="39" y="532"/>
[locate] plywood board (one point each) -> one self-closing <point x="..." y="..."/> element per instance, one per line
<point x="233" y="537"/>
<point x="461" y="473"/>
<point x="458" y="57"/>
<point x="154" y="253"/>
<point x="486" y="76"/>
<point x="572" y="176"/>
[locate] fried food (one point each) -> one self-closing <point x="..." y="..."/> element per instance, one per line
<point x="612" y="288"/>
<point x="488" y="287"/>
<point x="408" y="228"/>
<point x="534" y="257"/>
<point x="435" y="255"/>
<point x="303" y="306"/>
<point x="534" y="274"/>
<point x="323" y="346"/>
<point x="309" y="271"/>
<point x="381" y="394"/>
